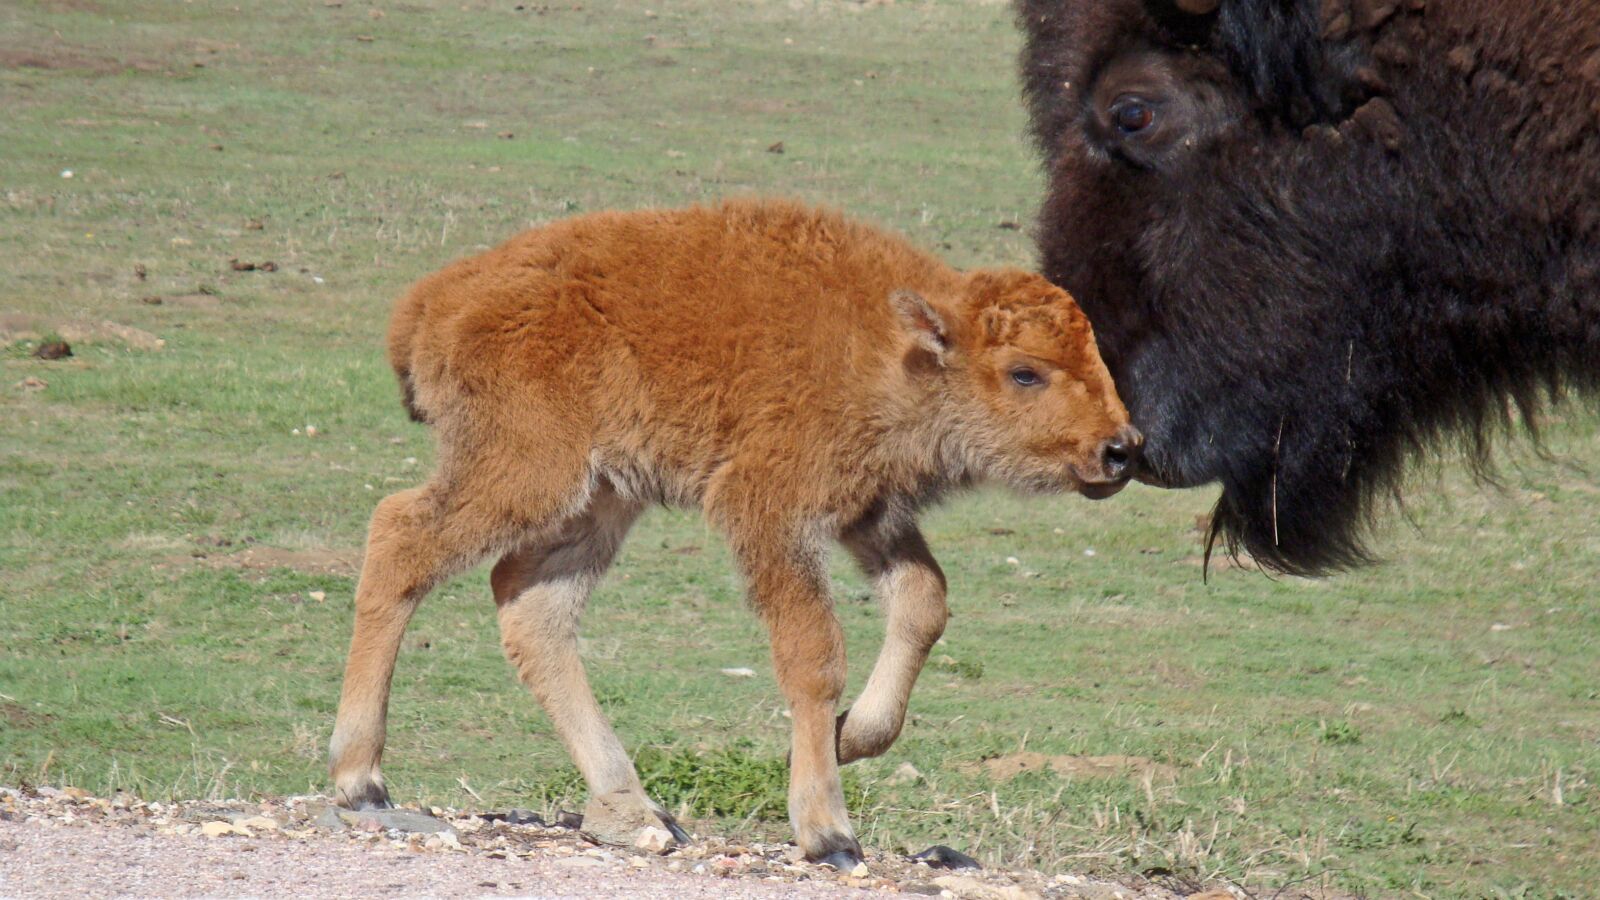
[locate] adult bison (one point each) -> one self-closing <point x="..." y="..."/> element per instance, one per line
<point x="1318" y="237"/>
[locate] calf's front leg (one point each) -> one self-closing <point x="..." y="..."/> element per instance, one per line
<point x="911" y="589"/>
<point x="789" y="590"/>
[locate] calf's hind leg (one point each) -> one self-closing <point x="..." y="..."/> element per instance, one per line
<point x="541" y="590"/>
<point x="911" y="588"/>
<point x="418" y="538"/>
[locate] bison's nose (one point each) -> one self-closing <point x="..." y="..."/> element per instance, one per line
<point x="1120" y="455"/>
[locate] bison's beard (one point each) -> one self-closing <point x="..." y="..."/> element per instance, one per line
<point x="1299" y="464"/>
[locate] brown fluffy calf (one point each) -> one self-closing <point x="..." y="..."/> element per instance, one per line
<point x="800" y="377"/>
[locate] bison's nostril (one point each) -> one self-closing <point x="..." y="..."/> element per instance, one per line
<point x="1121" y="452"/>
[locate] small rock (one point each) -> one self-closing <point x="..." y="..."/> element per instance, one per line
<point x="52" y="350"/>
<point x="33" y="384"/>
<point x="906" y="773"/>
<point x="510" y="817"/>
<point x="405" y="820"/>
<point x="655" y="840"/>
<point x="260" y="823"/>
<point x="219" y="829"/>
<point x="921" y="887"/>
<point x="318" y="596"/>
<point x="860" y="870"/>
<point x="739" y="672"/>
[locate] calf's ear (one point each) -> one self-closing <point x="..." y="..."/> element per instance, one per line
<point x="922" y="322"/>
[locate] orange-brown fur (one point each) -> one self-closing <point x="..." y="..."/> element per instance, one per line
<point x="801" y="377"/>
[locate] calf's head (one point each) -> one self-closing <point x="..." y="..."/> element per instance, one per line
<point x="1014" y="363"/>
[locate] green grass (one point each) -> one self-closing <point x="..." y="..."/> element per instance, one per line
<point x="1428" y="725"/>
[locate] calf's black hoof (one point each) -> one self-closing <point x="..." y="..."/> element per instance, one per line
<point x="366" y="798"/>
<point x="941" y="857"/>
<point x="843" y="860"/>
<point x="671" y="824"/>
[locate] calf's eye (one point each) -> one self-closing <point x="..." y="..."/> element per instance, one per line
<point x="1025" y="377"/>
<point x="1132" y="115"/>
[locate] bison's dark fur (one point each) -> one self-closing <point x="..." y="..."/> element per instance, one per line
<point x="1350" y="231"/>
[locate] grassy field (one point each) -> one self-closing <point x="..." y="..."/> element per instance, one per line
<point x="178" y="551"/>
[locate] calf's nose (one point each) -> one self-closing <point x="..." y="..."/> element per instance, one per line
<point x="1120" y="454"/>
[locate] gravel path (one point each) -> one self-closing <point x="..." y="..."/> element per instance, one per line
<point x="48" y="859"/>
<point x="67" y="843"/>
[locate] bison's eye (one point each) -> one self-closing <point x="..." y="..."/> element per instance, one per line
<point x="1132" y="115"/>
<point x="1025" y="377"/>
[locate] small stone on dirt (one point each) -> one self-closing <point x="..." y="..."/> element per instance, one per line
<point x="655" y="840"/>
<point x="221" y="829"/>
<point x="406" y="820"/>
<point x="906" y="773"/>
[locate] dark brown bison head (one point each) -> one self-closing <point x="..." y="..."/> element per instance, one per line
<point x="1317" y="237"/>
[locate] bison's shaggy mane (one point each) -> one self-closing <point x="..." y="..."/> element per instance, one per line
<point x="1396" y="251"/>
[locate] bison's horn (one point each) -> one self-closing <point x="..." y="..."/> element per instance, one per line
<point x="1198" y="7"/>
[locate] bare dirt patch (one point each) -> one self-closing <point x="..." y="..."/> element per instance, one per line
<point x="1004" y="768"/>
<point x="17" y="327"/>
<point x="69" y="59"/>
<point x="197" y="300"/>
<point x="16" y="715"/>
<point x="317" y="561"/>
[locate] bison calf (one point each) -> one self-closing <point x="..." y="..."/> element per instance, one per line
<point x="800" y="377"/>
